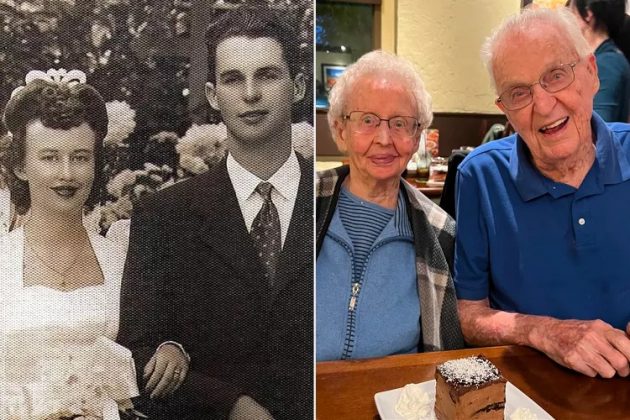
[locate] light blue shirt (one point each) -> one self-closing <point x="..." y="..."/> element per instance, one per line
<point x="382" y="316"/>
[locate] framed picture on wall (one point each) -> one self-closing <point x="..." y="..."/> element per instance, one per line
<point x="330" y="74"/>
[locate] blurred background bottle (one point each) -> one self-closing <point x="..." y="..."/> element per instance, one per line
<point x="423" y="160"/>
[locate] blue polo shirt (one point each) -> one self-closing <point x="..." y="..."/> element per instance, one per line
<point x="535" y="246"/>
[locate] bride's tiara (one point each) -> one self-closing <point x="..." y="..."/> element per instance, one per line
<point x="71" y="77"/>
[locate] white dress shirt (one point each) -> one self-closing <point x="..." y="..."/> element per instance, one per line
<point x="285" y="184"/>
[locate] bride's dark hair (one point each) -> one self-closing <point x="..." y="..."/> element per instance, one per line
<point x="57" y="106"/>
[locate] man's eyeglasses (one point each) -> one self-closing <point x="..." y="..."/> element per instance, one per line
<point x="552" y="81"/>
<point x="368" y="123"/>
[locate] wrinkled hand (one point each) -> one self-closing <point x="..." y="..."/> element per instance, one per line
<point x="590" y="347"/>
<point x="166" y="371"/>
<point x="246" y="408"/>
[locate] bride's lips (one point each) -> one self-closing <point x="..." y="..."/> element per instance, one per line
<point x="253" y="117"/>
<point x="66" y="191"/>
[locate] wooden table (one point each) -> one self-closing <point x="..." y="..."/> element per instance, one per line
<point x="345" y="389"/>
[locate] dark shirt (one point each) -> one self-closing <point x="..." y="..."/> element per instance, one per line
<point x="612" y="101"/>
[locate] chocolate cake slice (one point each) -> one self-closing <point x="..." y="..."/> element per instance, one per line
<point x="469" y="388"/>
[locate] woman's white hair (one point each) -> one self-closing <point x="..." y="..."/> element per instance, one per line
<point x="561" y="18"/>
<point x="379" y="64"/>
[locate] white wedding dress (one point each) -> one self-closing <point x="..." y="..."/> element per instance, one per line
<point x="5" y="210"/>
<point x="58" y="345"/>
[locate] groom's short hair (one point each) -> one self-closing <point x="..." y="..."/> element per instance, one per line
<point x="259" y="22"/>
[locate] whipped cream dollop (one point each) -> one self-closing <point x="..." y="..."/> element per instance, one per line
<point x="415" y="404"/>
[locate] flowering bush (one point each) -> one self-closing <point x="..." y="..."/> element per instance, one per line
<point x="126" y="187"/>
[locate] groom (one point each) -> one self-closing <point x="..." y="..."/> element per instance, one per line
<point x="217" y="294"/>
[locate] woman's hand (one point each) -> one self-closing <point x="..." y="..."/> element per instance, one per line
<point x="165" y="371"/>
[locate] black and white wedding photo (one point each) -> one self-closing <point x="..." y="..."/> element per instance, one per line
<point x="156" y="202"/>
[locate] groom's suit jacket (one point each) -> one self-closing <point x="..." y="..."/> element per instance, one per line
<point x="192" y="276"/>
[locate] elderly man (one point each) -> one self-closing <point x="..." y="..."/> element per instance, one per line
<point x="543" y="251"/>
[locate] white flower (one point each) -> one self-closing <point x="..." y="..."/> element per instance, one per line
<point x="148" y="166"/>
<point x="122" y="207"/>
<point x="193" y="164"/>
<point x="302" y="138"/>
<point x="139" y="189"/>
<point x="121" y="122"/>
<point x="205" y="141"/>
<point x="123" y="179"/>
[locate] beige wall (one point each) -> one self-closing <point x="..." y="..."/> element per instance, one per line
<point x="443" y="38"/>
<point x="388" y="25"/>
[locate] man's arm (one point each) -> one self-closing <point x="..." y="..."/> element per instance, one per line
<point x="589" y="347"/>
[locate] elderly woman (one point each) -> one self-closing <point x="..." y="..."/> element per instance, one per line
<point x="384" y="250"/>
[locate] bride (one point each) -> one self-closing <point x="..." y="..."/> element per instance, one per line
<point x="59" y="285"/>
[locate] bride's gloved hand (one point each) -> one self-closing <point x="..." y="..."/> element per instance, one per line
<point x="165" y="371"/>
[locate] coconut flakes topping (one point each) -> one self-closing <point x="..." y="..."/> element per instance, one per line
<point x="474" y="370"/>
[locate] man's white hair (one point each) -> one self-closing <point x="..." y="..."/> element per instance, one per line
<point x="379" y="64"/>
<point x="561" y="19"/>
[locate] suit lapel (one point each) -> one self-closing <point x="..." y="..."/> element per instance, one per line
<point x="222" y="226"/>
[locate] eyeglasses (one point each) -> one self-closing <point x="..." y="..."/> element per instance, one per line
<point x="552" y="81"/>
<point x="368" y="123"/>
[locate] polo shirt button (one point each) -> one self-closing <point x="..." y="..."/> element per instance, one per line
<point x="581" y="221"/>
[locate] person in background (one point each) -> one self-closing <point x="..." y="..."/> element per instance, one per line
<point x="601" y="22"/>
<point x="542" y="228"/>
<point x="623" y="39"/>
<point x="384" y="250"/>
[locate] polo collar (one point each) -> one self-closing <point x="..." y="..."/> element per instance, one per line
<point x="611" y="165"/>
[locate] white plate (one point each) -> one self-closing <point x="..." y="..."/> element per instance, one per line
<point x="514" y="399"/>
<point x="435" y="183"/>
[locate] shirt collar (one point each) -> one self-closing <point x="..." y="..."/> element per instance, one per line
<point x="612" y="164"/>
<point x="285" y="181"/>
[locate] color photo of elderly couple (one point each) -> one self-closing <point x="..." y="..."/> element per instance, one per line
<point x="168" y="251"/>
